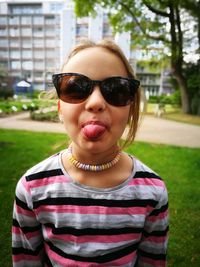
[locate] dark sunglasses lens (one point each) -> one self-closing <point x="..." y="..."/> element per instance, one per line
<point x="73" y="88"/>
<point x="117" y="91"/>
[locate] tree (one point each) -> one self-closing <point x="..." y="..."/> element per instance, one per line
<point x="151" y="21"/>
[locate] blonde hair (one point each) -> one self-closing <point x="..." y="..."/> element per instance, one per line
<point x="134" y="113"/>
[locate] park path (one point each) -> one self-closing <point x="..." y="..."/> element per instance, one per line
<point x="151" y="129"/>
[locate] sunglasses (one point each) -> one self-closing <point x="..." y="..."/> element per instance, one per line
<point x="75" y="88"/>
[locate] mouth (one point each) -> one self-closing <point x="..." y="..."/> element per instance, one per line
<point x="93" y="130"/>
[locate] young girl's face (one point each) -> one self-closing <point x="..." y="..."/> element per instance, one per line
<point x="94" y="125"/>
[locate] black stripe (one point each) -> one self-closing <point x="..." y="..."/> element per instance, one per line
<point x="158" y="211"/>
<point x="26" y="229"/>
<point x="96" y="202"/>
<point x="44" y="174"/>
<point x="156" y="233"/>
<point x="146" y="175"/>
<point x="21" y="204"/>
<point x="152" y="256"/>
<point x="97" y="259"/>
<point x="92" y="231"/>
<point x="47" y="261"/>
<point x="21" y="250"/>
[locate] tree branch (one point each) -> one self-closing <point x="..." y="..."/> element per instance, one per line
<point x="134" y="18"/>
<point x="156" y="11"/>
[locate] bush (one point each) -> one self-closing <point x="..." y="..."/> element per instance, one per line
<point x="45" y="116"/>
<point x="173" y="99"/>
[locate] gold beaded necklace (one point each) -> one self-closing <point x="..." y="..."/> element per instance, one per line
<point x="88" y="167"/>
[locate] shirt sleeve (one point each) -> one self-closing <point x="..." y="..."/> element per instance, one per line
<point x="153" y="247"/>
<point x="27" y="241"/>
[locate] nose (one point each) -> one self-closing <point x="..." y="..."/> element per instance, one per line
<point x="95" y="102"/>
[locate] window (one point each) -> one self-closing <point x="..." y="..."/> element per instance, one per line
<point x="38" y="43"/>
<point x="3" y="32"/>
<point x="14" y="43"/>
<point x="39" y="65"/>
<point x="26" y="20"/>
<point x="38" y="20"/>
<point x="38" y="54"/>
<point x="28" y="65"/>
<point x="3" y="20"/>
<point x="26" y="43"/>
<point x="13" y="20"/>
<point x="15" y="65"/>
<point x="14" y="32"/>
<point x="26" y="31"/>
<point x="27" y="54"/>
<point x="38" y="32"/>
<point x="3" y="42"/>
<point x="15" y="54"/>
<point x="25" y="8"/>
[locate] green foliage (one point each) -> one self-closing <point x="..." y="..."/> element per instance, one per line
<point x="6" y="93"/>
<point x="45" y="116"/>
<point x="173" y="99"/>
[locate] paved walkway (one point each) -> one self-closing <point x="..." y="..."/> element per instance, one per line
<point x="152" y="129"/>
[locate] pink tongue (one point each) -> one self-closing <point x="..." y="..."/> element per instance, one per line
<point x="93" y="131"/>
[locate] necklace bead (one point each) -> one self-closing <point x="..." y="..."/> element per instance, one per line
<point x="88" y="167"/>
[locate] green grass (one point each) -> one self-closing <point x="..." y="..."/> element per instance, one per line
<point x="179" y="167"/>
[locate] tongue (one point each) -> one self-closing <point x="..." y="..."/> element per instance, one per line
<point x="93" y="131"/>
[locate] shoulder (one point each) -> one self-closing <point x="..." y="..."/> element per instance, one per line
<point x="148" y="181"/>
<point x="46" y="167"/>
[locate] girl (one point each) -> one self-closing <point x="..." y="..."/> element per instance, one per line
<point x="92" y="204"/>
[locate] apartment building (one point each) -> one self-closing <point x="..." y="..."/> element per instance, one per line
<point x="35" y="37"/>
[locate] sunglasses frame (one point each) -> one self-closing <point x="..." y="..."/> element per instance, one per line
<point x="134" y="85"/>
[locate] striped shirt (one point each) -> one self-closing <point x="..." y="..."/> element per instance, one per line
<point x="59" y="222"/>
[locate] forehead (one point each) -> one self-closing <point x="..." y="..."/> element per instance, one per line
<point x="96" y="61"/>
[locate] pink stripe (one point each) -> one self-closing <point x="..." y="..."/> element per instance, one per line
<point x="160" y="216"/>
<point x="21" y="257"/>
<point x="156" y="239"/>
<point x="23" y="211"/>
<point x="18" y="231"/>
<point x="25" y="184"/>
<point x="147" y="181"/>
<point x="49" y="180"/>
<point x="92" y="210"/>
<point x="95" y="239"/>
<point x="67" y="262"/>
<point x="155" y="263"/>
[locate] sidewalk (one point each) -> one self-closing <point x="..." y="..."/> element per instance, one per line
<point x="152" y="129"/>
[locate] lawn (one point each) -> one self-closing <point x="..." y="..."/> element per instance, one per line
<point x="179" y="167"/>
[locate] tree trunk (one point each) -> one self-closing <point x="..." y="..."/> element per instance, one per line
<point x="183" y="88"/>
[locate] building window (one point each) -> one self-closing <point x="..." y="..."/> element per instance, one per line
<point x="27" y="65"/>
<point x="3" y="42"/>
<point x="26" y="43"/>
<point x="3" y="32"/>
<point x="3" y="20"/>
<point x="14" y="32"/>
<point x="27" y="54"/>
<point x="15" y="65"/>
<point x="15" y="54"/>
<point x="25" y="20"/>
<point x="38" y="32"/>
<point x="25" y="9"/>
<point x="38" y="54"/>
<point x="14" y="20"/>
<point x="38" y="20"/>
<point x="14" y="43"/>
<point x="39" y="65"/>
<point x="26" y="31"/>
